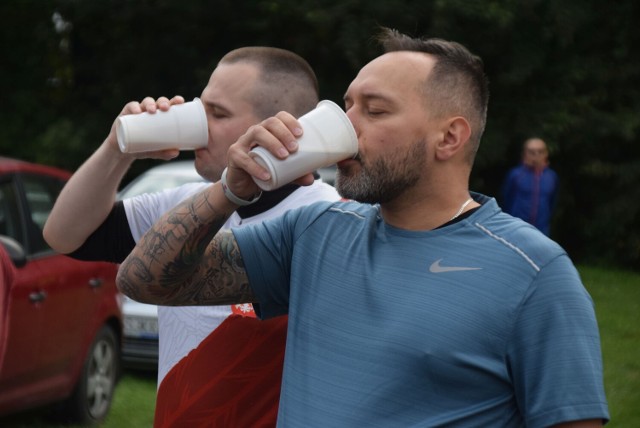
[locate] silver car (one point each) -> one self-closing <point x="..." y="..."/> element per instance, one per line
<point x="140" y="337"/>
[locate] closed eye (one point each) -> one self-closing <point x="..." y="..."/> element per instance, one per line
<point x="217" y="112"/>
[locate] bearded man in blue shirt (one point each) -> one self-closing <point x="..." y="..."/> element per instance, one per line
<point x="419" y="303"/>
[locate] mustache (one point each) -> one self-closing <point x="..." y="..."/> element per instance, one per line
<point x="356" y="158"/>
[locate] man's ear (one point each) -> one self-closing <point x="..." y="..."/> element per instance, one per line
<point x="456" y="133"/>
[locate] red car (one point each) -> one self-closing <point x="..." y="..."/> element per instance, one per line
<point x="60" y="319"/>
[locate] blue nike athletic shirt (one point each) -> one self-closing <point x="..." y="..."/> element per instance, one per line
<point x="481" y="323"/>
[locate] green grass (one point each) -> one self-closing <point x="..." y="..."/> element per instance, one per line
<point x="617" y="298"/>
<point x="134" y="401"/>
<point x="133" y="406"/>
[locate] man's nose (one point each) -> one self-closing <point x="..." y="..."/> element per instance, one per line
<point x="353" y="119"/>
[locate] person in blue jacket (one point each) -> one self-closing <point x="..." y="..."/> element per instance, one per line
<point x="530" y="189"/>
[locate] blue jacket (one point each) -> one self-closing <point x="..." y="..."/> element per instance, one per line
<point x="531" y="195"/>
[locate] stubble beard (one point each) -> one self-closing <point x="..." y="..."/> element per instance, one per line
<point x="385" y="178"/>
<point x="209" y="171"/>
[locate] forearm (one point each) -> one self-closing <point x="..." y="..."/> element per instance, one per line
<point x="184" y="259"/>
<point x="86" y="199"/>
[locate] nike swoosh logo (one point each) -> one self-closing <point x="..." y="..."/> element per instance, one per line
<point x="437" y="268"/>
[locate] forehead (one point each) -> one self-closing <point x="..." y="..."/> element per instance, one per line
<point x="231" y="84"/>
<point x="394" y="75"/>
<point x="536" y="144"/>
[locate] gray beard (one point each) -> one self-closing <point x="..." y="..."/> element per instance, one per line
<point x="384" y="179"/>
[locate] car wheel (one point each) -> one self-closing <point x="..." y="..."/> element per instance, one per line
<point x="93" y="394"/>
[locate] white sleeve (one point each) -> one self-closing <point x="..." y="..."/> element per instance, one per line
<point x="144" y="210"/>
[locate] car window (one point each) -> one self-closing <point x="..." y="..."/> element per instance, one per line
<point x="9" y="216"/>
<point x="155" y="183"/>
<point x="40" y="194"/>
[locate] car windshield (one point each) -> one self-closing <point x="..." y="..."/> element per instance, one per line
<point x="156" y="183"/>
<point x="166" y="176"/>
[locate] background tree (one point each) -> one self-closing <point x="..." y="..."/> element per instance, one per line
<point x="565" y="71"/>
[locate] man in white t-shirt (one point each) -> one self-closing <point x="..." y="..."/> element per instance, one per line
<point x="207" y="368"/>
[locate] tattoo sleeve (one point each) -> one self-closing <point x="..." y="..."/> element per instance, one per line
<point x="185" y="260"/>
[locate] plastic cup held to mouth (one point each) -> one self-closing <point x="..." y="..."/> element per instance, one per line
<point x="182" y="127"/>
<point x="328" y="137"/>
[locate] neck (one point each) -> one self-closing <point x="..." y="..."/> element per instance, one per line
<point x="426" y="212"/>
<point x="437" y="197"/>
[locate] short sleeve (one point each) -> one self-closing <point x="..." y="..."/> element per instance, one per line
<point x="267" y="250"/>
<point x="554" y="352"/>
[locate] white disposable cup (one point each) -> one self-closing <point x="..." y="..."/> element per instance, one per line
<point x="183" y="127"/>
<point x="328" y="137"/>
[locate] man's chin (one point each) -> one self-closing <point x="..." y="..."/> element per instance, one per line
<point x="346" y="191"/>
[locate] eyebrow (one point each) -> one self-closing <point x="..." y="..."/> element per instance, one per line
<point x="216" y="106"/>
<point x="370" y="96"/>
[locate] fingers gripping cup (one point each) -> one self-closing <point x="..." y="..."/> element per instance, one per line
<point x="328" y="138"/>
<point x="183" y="127"/>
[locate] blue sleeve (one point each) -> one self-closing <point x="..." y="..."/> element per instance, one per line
<point x="554" y="353"/>
<point x="267" y="250"/>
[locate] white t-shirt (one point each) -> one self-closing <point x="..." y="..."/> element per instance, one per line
<point x="181" y="329"/>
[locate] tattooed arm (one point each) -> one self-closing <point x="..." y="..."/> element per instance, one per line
<point x="182" y="261"/>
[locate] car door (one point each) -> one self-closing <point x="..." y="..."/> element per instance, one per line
<point x="23" y="315"/>
<point x="70" y="289"/>
<point x="52" y="297"/>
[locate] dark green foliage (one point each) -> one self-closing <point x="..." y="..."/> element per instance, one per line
<point x="567" y="71"/>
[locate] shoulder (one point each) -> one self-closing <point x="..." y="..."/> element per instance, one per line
<point x="354" y="209"/>
<point x="174" y="194"/>
<point x="551" y="172"/>
<point x="304" y="195"/>
<point x="514" y="238"/>
<point x="143" y="210"/>
<point x="338" y="219"/>
<point x="323" y="214"/>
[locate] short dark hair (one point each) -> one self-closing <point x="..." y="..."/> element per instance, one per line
<point x="457" y="83"/>
<point x="286" y="83"/>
